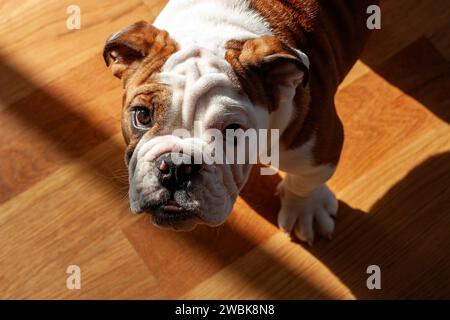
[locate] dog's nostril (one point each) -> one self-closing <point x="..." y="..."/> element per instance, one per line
<point x="184" y="172"/>
<point x="187" y="170"/>
<point x="164" y="167"/>
<point x="174" y="174"/>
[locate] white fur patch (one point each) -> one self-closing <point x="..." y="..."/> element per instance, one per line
<point x="192" y="73"/>
<point x="305" y="199"/>
<point x="202" y="28"/>
<point x="211" y="23"/>
<point x="301" y="213"/>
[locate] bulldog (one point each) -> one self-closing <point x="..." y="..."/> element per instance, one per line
<point x="236" y="65"/>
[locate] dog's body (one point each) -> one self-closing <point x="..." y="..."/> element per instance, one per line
<point x="228" y="64"/>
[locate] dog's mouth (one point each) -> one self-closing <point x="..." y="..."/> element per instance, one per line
<point x="172" y="207"/>
<point x="170" y="213"/>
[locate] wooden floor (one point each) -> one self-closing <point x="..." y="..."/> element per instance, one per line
<point x="63" y="182"/>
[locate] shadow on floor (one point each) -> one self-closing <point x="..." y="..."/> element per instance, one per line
<point x="41" y="131"/>
<point x="418" y="70"/>
<point x="405" y="233"/>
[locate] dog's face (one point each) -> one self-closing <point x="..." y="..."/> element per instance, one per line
<point x="168" y="88"/>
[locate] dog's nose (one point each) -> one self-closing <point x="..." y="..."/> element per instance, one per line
<point x="175" y="169"/>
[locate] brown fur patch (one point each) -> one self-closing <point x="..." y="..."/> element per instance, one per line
<point x="332" y="34"/>
<point x="156" y="98"/>
<point x="249" y="62"/>
<point x="137" y="53"/>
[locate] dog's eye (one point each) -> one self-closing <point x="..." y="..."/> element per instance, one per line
<point x="142" y="117"/>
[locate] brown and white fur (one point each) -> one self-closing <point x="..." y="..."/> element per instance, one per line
<point x="260" y="64"/>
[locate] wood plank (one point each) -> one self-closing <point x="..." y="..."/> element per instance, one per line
<point x="403" y="22"/>
<point x="74" y="216"/>
<point x="441" y="40"/>
<point x="380" y="118"/>
<point x="44" y="49"/>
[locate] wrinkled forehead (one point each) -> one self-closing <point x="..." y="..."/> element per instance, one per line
<point x="194" y="74"/>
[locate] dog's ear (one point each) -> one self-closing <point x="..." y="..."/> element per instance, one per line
<point x="268" y="69"/>
<point x="132" y="44"/>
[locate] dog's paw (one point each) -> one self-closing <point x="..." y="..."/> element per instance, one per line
<point x="305" y="215"/>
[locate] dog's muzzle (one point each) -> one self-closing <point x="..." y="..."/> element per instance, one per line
<point x="175" y="173"/>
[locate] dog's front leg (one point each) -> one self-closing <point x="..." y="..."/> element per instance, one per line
<point x="307" y="204"/>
